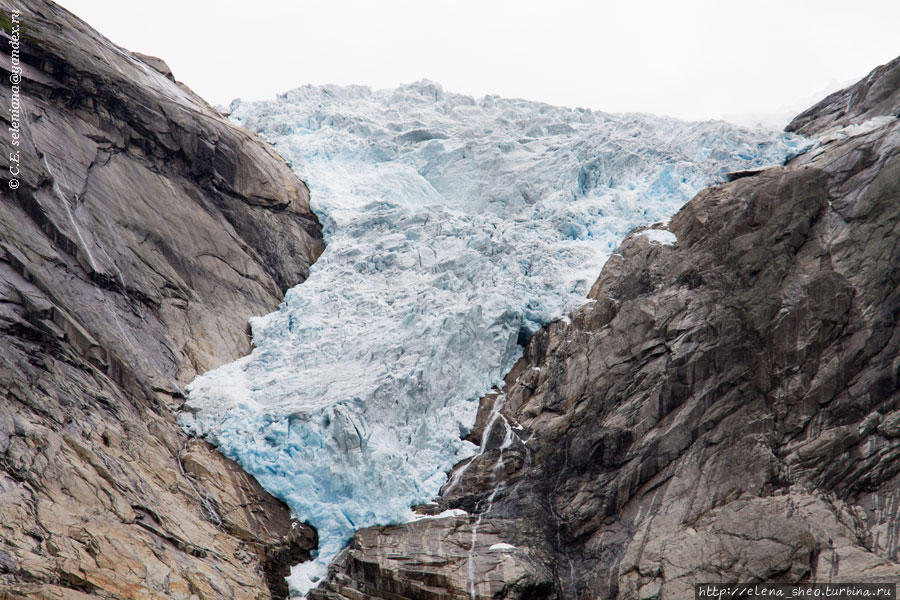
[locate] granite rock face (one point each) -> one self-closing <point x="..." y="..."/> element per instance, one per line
<point x="145" y="231"/>
<point x="724" y="409"/>
<point x="877" y="95"/>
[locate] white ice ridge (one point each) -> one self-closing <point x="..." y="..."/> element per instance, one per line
<point x="455" y="228"/>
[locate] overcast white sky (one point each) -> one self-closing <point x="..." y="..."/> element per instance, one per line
<point x="692" y="59"/>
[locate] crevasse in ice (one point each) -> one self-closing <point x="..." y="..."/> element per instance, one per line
<point x="455" y="227"/>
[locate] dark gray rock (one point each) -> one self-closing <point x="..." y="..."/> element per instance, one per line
<point x="876" y="95"/>
<point x="723" y="410"/>
<point x="145" y="231"/>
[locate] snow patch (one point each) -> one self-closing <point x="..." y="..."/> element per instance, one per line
<point x="855" y="129"/>
<point x="660" y="236"/>
<point x="451" y="512"/>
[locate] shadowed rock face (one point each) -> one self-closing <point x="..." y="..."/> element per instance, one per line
<point x="145" y="231"/>
<point x="724" y="409"/>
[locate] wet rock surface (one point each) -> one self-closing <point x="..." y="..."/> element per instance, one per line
<point x="724" y="409"/>
<point x="145" y="231"/>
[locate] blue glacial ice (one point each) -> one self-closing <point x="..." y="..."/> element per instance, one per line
<point x="455" y="228"/>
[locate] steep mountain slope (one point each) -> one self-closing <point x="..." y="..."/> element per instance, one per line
<point x="145" y="231"/>
<point x="726" y="408"/>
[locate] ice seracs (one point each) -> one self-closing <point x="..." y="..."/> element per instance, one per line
<point x="455" y="227"/>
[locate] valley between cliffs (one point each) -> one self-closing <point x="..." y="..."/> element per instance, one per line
<point x="725" y="408"/>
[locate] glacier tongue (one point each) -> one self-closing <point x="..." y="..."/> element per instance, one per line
<point x="455" y="227"/>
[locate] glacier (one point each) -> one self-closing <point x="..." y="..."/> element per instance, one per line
<point x="455" y="228"/>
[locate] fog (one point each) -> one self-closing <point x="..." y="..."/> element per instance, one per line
<point x="692" y="59"/>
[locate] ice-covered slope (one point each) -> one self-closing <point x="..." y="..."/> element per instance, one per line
<point x="455" y="228"/>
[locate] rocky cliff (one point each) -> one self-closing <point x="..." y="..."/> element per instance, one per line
<point x="723" y="409"/>
<point x="145" y="231"/>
